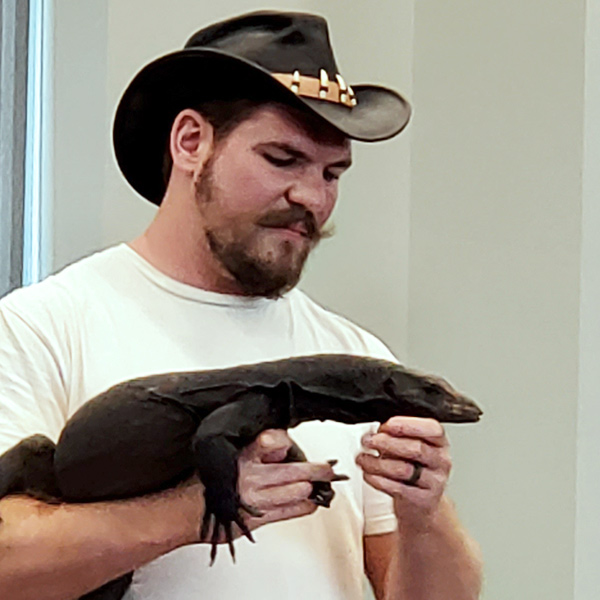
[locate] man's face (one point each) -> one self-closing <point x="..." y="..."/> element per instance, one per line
<point x="264" y="197"/>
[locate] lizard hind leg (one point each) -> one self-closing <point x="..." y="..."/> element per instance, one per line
<point x="28" y="468"/>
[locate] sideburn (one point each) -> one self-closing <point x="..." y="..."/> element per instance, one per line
<point x="204" y="185"/>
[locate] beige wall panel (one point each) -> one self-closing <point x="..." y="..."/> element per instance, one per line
<point x="494" y="268"/>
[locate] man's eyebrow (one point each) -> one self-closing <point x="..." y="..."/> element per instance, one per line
<point x="344" y="163"/>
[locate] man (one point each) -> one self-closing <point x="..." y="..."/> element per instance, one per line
<point x="240" y="139"/>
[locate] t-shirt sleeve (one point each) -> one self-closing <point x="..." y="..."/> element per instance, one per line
<point x="33" y="397"/>
<point x="378" y="507"/>
<point x="378" y="511"/>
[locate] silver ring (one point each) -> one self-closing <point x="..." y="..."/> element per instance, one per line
<point x="416" y="475"/>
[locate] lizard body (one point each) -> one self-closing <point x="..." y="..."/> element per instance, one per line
<point x="151" y="433"/>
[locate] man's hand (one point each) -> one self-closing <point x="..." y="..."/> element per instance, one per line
<point x="400" y="443"/>
<point x="278" y="490"/>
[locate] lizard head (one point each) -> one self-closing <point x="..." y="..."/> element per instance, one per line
<point x="429" y="396"/>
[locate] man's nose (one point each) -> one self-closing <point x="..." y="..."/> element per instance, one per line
<point x="315" y="194"/>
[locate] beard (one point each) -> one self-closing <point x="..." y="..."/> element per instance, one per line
<point x="257" y="275"/>
<point x="260" y="264"/>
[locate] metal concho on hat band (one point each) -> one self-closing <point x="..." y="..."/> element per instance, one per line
<point x="320" y="88"/>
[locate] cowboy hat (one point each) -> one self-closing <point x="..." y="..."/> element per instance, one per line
<point x="282" y="56"/>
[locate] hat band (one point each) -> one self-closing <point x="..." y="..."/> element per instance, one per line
<point x="320" y="88"/>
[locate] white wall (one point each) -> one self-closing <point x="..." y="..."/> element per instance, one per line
<point x="587" y="540"/>
<point x="494" y="290"/>
<point x="80" y="147"/>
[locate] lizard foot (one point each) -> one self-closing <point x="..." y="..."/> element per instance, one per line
<point x="220" y="522"/>
<point x="322" y="493"/>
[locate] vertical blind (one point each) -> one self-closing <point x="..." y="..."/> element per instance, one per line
<point x="14" y="30"/>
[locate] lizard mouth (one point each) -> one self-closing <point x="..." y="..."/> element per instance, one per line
<point x="464" y="411"/>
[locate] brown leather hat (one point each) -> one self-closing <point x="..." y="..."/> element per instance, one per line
<point x="280" y="56"/>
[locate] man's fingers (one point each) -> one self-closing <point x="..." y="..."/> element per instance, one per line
<point x="400" y="471"/>
<point x="266" y="499"/>
<point x="429" y="430"/>
<point x="284" y="512"/>
<point x="403" y="448"/>
<point x="280" y="490"/>
<point x="409" y="449"/>
<point x="270" y="475"/>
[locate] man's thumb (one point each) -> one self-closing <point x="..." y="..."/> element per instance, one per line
<point x="272" y="445"/>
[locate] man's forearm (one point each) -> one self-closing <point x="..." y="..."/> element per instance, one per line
<point x="435" y="561"/>
<point x="67" y="550"/>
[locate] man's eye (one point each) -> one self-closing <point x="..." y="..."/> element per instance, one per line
<point x="280" y="162"/>
<point x="329" y="176"/>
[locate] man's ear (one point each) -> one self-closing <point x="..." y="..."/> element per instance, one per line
<point x="191" y="142"/>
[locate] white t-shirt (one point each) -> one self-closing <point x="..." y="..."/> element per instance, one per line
<point x="112" y="317"/>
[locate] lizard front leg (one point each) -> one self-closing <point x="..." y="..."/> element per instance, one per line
<point x="216" y="465"/>
<point x="216" y="446"/>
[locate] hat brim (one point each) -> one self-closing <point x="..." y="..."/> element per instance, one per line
<point x="184" y="78"/>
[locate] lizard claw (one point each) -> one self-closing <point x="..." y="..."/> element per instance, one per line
<point x="229" y="537"/>
<point x="250" y="509"/>
<point x="240" y="523"/>
<point x="228" y="532"/>
<point x="218" y="526"/>
<point x="213" y="542"/>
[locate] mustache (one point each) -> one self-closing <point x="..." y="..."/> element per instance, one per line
<point x="296" y="214"/>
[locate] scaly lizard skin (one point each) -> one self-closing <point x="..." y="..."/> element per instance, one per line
<point x="151" y="433"/>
